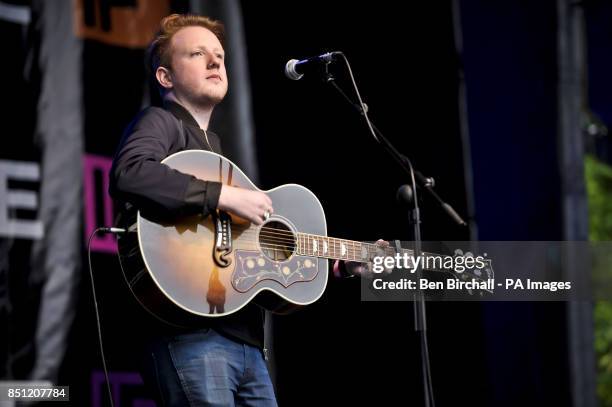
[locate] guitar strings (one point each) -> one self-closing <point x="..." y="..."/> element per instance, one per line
<point x="284" y="240"/>
<point x="281" y="233"/>
<point x="350" y="253"/>
<point x="271" y="238"/>
<point x="269" y="232"/>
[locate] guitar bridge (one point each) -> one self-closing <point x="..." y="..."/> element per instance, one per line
<point x="223" y="242"/>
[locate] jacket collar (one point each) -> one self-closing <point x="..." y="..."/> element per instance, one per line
<point x="180" y="113"/>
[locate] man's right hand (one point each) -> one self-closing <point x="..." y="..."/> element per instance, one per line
<point x="248" y="204"/>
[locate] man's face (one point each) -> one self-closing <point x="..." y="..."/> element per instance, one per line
<point x="198" y="67"/>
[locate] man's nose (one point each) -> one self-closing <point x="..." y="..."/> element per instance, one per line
<point x="213" y="62"/>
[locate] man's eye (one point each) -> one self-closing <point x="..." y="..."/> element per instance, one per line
<point x="220" y="56"/>
<point x="197" y="53"/>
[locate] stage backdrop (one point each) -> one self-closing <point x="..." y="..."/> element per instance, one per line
<point x="75" y="76"/>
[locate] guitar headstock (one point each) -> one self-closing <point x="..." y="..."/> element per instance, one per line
<point x="473" y="268"/>
<point x="464" y="271"/>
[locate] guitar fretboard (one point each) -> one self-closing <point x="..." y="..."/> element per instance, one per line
<point x="341" y="249"/>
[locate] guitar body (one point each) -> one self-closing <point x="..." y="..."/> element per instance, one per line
<point x="211" y="267"/>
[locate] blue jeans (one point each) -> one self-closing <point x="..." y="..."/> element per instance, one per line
<point x="207" y="369"/>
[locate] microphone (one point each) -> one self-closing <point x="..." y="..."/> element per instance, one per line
<point x="293" y="66"/>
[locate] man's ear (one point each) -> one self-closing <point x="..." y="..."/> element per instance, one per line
<point x="164" y="77"/>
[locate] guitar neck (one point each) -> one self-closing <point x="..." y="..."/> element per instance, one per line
<point x="342" y="249"/>
<point x="350" y="250"/>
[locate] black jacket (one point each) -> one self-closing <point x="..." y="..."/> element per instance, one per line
<point x="137" y="176"/>
<point x="138" y="181"/>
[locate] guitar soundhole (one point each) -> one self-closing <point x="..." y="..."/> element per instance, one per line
<point x="277" y="241"/>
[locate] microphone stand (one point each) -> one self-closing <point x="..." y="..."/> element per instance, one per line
<point x="426" y="183"/>
<point x="409" y="196"/>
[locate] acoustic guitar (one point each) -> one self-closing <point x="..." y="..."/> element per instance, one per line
<point x="213" y="266"/>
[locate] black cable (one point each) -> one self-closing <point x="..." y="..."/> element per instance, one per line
<point x="95" y="300"/>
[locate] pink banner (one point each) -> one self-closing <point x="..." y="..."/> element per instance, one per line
<point x="96" y="194"/>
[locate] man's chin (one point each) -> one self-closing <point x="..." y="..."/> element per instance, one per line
<point x="211" y="99"/>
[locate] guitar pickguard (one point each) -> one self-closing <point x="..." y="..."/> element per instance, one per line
<point x="252" y="267"/>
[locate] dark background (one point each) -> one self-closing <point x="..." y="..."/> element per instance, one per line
<point x="365" y="353"/>
<point x="409" y="71"/>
